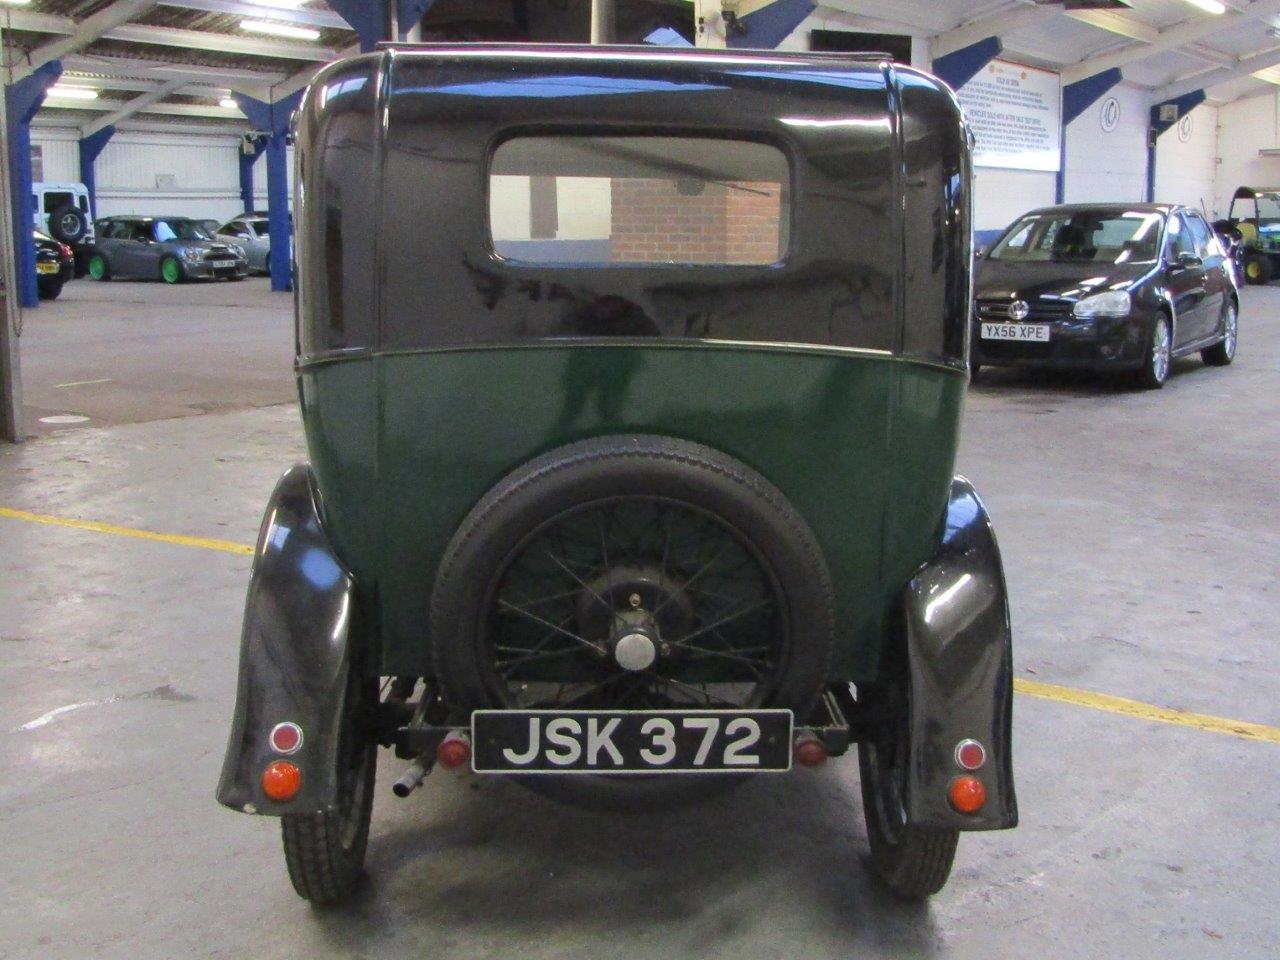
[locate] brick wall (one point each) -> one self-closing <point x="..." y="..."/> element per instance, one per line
<point x="654" y="222"/>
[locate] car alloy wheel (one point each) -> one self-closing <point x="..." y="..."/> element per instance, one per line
<point x="98" y="267"/>
<point x="1229" y="331"/>
<point x="1161" y="350"/>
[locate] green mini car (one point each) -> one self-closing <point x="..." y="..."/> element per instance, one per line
<point x="631" y="381"/>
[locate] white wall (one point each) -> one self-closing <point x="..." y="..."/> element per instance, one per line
<point x="1001" y="195"/>
<point x="205" y="171"/>
<point x="1109" y="166"/>
<point x="1244" y="127"/>
<point x="1186" y="171"/>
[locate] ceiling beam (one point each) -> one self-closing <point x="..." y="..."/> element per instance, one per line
<point x="160" y="71"/>
<point x="134" y="85"/>
<point x="173" y="37"/>
<point x="298" y="80"/>
<point x="303" y="18"/>
<point x="1204" y="79"/>
<point x="995" y="25"/>
<point x="1171" y="38"/>
<point x="80" y="35"/>
<point x="1117" y="23"/>
<point x="132" y="107"/>
<point x="170" y="109"/>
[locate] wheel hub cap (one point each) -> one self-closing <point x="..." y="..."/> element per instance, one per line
<point x="635" y="651"/>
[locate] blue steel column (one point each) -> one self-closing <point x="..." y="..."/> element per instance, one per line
<point x="273" y="120"/>
<point x="1076" y="99"/>
<point x="958" y="68"/>
<point x="368" y="18"/>
<point x="1185" y="104"/>
<point x="90" y="147"/>
<point x="247" y="160"/>
<point x="22" y="100"/>
<point x="769" y="26"/>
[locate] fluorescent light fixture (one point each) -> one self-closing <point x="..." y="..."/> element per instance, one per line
<point x="72" y="93"/>
<point x="1209" y="6"/>
<point x="279" y="29"/>
<point x="228" y="103"/>
<point x="16" y="3"/>
<point x="279" y="4"/>
<point x="1270" y="75"/>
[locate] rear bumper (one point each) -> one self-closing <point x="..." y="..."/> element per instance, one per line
<point x="1102" y="344"/>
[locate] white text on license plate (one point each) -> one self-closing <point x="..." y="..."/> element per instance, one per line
<point x="1033" y="332"/>
<point x="223" y="263"/>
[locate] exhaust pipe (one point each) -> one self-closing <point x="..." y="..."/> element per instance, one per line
<point x="411" y="779"/>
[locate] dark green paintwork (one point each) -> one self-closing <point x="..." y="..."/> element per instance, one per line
<point x="862" y="444"/>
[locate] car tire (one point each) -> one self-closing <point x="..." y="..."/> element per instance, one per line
<point x="1256" y="268"/>
<point x="171" y="271"/>
<point x="1224" y="351"/>
<point x="68" y="224"/>
<point x="324" y="852"/>
<point x="50" y="289"/>
<point x="99" y="268"/>
<point x="666" y="474"/>
<point x="1158" y="359"/>
<point x="912" y="861"/>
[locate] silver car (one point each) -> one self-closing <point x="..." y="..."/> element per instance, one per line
<point x="253" y="233"/>
<point x="171" y="249"/>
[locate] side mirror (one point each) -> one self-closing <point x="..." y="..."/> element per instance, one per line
<point x="1189" y="260"/>
<point x="979" y="253"/>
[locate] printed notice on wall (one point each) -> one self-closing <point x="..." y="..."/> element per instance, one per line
<point x="1015" y="112"/>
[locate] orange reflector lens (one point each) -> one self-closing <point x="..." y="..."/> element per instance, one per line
<point x="281" y="780"/>
<point x="967" y="794"/>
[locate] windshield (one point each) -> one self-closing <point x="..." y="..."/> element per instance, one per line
<point x="1082" y="236"/>
<point x="175" y="229"/>
<point x="1268" y="208"/>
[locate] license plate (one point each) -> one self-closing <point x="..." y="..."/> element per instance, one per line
<point x="223" y="263"/>
<point x="630" y="741"/>
<point x="1032" y="332"/>
<point x="47" y="268"/>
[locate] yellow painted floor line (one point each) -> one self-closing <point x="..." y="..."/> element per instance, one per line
<point x="1146" y="711"/>
<point x="226" y="546"/>
<point x="1031" y="688"/>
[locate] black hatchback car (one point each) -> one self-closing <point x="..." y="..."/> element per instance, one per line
<point x="1106" y="287"/>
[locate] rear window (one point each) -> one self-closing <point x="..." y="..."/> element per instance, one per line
<point x="638" y="200"/>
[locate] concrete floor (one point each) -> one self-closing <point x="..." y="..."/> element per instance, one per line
<point x="127" y="351"/>
<point x="1140" y="533"/>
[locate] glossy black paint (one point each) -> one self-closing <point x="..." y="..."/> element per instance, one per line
<point x="879" y="230"/>
<point x="294" y="654"/>
<point x="1194" y="296"/>
<point x="960" y="662"/>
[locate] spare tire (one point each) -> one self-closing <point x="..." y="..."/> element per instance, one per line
<point x="68" y="223"/>
<point x="551" y="582"/>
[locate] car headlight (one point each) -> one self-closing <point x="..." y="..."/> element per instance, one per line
<point x="191" y="255"/>
<point x="1113" y="303"/>
<point x="238" y="250"/>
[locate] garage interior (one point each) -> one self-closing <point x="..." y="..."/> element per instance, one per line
<point x="150" y="421"/>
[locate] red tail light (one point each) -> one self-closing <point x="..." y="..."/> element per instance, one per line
<point x="281" y="780"/>
<point x="967" y="794"/>
<point x="454" y="750"/>
<point x="66" y="251"/>
<point x="809" y="751"/>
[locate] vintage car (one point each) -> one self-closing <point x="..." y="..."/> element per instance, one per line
<point x="631" y="460"/>
<point x="55" y="265"/>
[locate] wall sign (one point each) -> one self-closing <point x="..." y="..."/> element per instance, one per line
<point x="1186" y="127"/>
<point x="1016" y="115"/>
<point x="1109" y="116"/>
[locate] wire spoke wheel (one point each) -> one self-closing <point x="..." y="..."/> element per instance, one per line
<point x="636" y="602"/>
